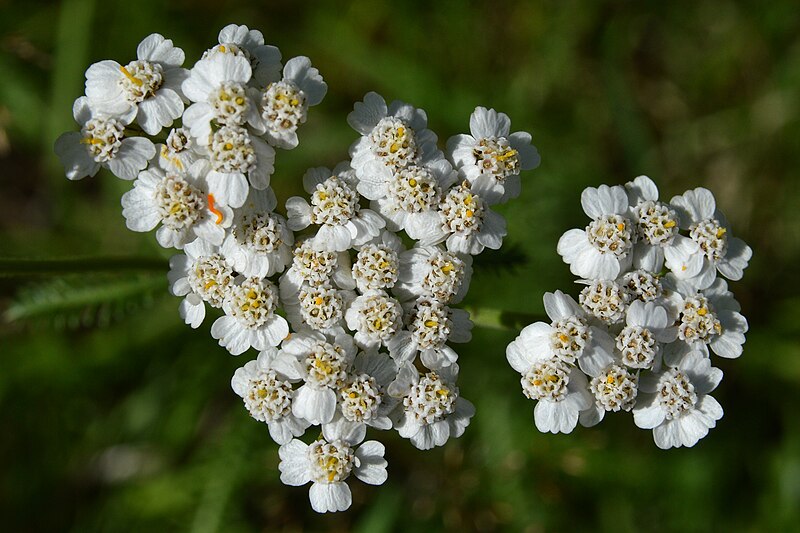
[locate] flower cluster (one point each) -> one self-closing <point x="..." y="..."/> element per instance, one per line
<point x="349" y="297"/>
<point x="651" y="311"/>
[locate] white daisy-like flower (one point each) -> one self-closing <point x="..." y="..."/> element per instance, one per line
<point x="569" y="338"/>
<point x="614" y="389"/>
<point x="657" y="225"/>
<point x="393" y="137"/>
<point x="250" y="319"/>
<point x="430" y="271"/>
<point x="605" y="300"/>
<point x="147" y="89"/>
<point x="239" y="40"/>
<point x="316" y="307"/>
<point x="260" y="242"/>
<point x="604" y="250"/>
<point x="101" y="143"/>
<point x="429" y="325"/>
<point x="708" y="319"/>
<point x="329" y="461"/>
<point x="363" y="399"/>
<point x="335" y="209"/>
<point x="238" y="157"/>
<point x="675" y="403"/>
<point x="180" y="202"/>
<point x="466" y="222"/>
<point x="179" y="152"/>
<point x="491" y="157"/>
<point x="315" y="267"/>
<point x="409" y="199"/>
<point x="647" y="328"/>
<point x="218" y="87"/>
<point x="432" y="410"/>
<point x="324" y="367"/>
<point x="708" y="228"/>
<point x="201" y="274"/>
<point x="268" y="394"/>
<point x="377" y="264"/>
<point x="284" y="104"/>
<point x="375" y="317"/>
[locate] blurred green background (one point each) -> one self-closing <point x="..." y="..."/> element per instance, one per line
<point x="118" y="417"/>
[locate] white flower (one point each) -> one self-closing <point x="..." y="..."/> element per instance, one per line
<point x="318" y="307"/>
<point x="148" y="89"/>
<point x="101" y="143"/>
<point x="284" y="104"/>
<point x="250" y="319"/>
<point x="377" y="263"/>
<point x="323" y="366"/>
<point x="375" y="317"/>
<point x="648" y="327"/>
<point x="202" y="275"/>
<point x="409" y="198"/>
<point x="614" y="389"/>
<point x="237" y="157"/>
<point x="430" y="324"/>
<point x="709" y="229"/>
<point x="467" y="223"/>
<point x="490" y="159"/>
<point x="328" y="462"/>
<point x="260" y="243"/>
<point x="393" y="137"/>
<point x="709" y="319"/>
<point x="265" y="60"/>
<point x="268" y="395"/>
<point x="432" y="409"/>
<point x="604" y="250"/>
<point x="179" y="151"/>
<point x="315" y="267"/>
<point x="657" y="224"/>
<point x="334" y="207"/>
<point x="218" y="87"/>
<point x="605" y="300"/>
<point x="433" y="272"/>
<point x="569" y="339"/>
<point x="363" y="399"/>
<point x="180" y="202"/>
<point x="676" y="404"/>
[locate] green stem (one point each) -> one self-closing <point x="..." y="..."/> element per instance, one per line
<point x="76" y="265"/>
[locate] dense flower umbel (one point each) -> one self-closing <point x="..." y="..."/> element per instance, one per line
<point x="652" y="300"/>
<point x="350" y="298"/>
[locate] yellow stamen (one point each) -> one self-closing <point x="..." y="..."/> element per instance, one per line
<point x="702" y="311"/>
<point x="447" y="268"/>
<point x="136" y="81"/>
<point x="93" y="141"/>
<point x="412" y="182"/>
<point x="470" y="213"/>
<point x="621" y="226"/>
<point x="721" y="232"/>
<point x="431" y="323"/>
<point x="670" y="224"/>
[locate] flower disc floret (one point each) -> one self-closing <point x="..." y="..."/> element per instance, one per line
<point x="462" y="211"/>
<point x="675" y="393"/>
<point x="211" y="278"/>
<point x="445" y="275"/>
<point x="253" y="302"/>
<point x="284" y="105"/>
<point x="140" y="80"/>
<point x="330" y="461"/>
<point x="414" y="190"/>
<point x="611" y="234"/>
<point x="232" y="151"/>
<point x="360" y="398"/>
<point x="393" y="141"/>
<point x="261" y="231"/>
<point x="658" y="223"/>
<point x="375" y="267"/>
<point x="712" y="238"/>
<point x="604" y="299"/>
<point x="638" y="346"/>
<point x="430" y="324"/>
<point x="326" y="365"/>
<point x="179" y="203"/>
<point x="615" y="389"/>
<point x="179" y="140"/>
<point x="333" y="202"/>
<point x="641" y="285"/>
<point x="321" y="306"/>
<point x="699" y="322"/>
<point x="569" y="337"/>
<point x="496" y="157"/>
<point x="431" y="399"/>
<point x="313" y="266"/>
<point x="268" y="398"/>
<point x="230" y="104"/>
<point x="546" y="380"/>
<point x="103" y="137"/>
<point x="380" y="316"/>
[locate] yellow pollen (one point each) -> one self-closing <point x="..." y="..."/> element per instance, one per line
<point x="721" y="232"/>
<point x="431" y="323"/>
<point x="507" y="154"/>
<point x="470" y="213"/>
<point x="443" y="392"/>
<point x="262" y="393"/>
<point x="401" y="131"/>
<point x="610" y="380"/>
<point x="222" y="48"/>
<point x="136" y="81"/>
<point x="239" y="100"/>
<point x="563" y="337"/>
<point x="684" y="267"/>
<point x="669" y="224"/>
<point x="537" y="382"/>
<point x="621" y="226"/>
<point x="322" y="195"/>
<point x="468" y="200"/>
<point x="702" y="311"/>
<point x="210" y="283"/>
<point x="294" y="102"/>
<point x="93" y="141"/>
<point x="394" y="148"/>
<point x="352" y="395"/>
<point x="383" y="264"/>
<point x="447" y="268"/>
<point x="551" y="378"/>
<point x="412" y="182"/>
<point x="377" y="323"/>
<point x="175" y="208"/>
<point x="318" y="300"/>
<point x="228" y="146"/>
